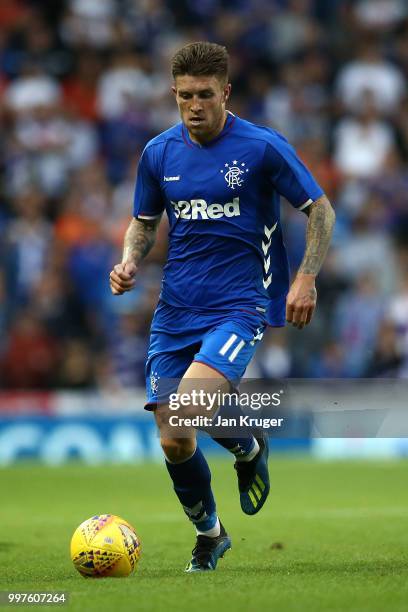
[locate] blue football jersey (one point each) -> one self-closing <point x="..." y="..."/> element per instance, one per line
<point x="222" y="199"/>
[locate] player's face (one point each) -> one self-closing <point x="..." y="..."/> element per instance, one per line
<point x="201" y="101"/>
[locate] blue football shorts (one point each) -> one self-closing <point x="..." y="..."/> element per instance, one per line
<point x="224" y="341"/>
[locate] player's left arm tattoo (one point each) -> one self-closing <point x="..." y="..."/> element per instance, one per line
<point x="318" y="234"/>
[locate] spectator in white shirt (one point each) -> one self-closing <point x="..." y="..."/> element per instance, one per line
<point x="369" y="71"/>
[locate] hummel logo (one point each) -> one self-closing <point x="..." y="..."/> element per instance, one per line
<point x="267" y="264"/>
<point x="172" y="178"/>
<point x="268" y="231"/>
<point x="266" y="246"/>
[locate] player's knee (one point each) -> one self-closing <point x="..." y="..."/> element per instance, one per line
<point x="178" y="449"/>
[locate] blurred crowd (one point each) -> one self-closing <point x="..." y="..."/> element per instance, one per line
<point x="85" y="83"/>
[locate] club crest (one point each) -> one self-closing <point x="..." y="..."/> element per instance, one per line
<point x="234" y="173"/>
<point x="154" y="382"/>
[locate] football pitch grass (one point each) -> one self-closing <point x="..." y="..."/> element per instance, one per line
<point x="332" y="537"/>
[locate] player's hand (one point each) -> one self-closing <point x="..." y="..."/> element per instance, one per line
<point x="301" y="300"/>
<point x="122" y="277"/>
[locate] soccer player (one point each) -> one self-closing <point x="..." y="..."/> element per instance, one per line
<point x="220" y="179"/>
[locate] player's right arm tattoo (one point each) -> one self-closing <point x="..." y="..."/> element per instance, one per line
<point x="139" y="239"/>
<point x="318" y="234"/>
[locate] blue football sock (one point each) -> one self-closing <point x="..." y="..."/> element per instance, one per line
<point x="192" y="484"/>
<point x="241" y="446"/>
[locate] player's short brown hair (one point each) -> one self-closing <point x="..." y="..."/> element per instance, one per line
<point x="201" y="59"/>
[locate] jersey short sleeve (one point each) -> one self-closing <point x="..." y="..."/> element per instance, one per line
<point x="148" y="201"/>
<point x="288" y="173"/>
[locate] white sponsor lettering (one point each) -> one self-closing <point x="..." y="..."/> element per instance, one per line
<point x="215" y="211"/>
<point x="92" y="443"/>
<point x="199" y="209"/>
<point x="172" y="178"/>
